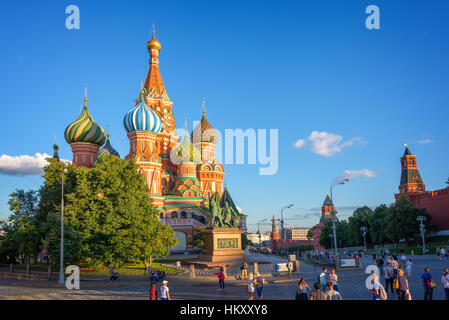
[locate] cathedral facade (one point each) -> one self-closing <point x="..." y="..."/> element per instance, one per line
<point x="181" y="175"/>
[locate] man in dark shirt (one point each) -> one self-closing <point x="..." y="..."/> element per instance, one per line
<point x="426" y="279"/>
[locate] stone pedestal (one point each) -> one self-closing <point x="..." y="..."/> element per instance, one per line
<point x="222" y="245"/>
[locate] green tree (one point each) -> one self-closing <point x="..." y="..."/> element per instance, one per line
<point x="310" y="233"/>
<point x="107" y="211"/>
<point x="22" y="232"/>
<point x="402" y="223"/>
<point x="245" y="241"/>
<point x="358" y="219"/>
<point x="198" y="237"/>
<point x="376" y="225"/>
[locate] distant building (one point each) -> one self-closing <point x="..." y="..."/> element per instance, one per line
<point x="297" y="233"/>
<point x="414" y="189"/>
<point x="254" y="237"/>
<point x="279" y="244"/>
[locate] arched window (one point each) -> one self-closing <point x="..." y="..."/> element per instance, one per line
<point x="161" y="215"/>
<point x="174" y="215"/>
<point x="183" y="215"/>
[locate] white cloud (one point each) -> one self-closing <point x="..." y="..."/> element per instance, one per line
<point x="327" y="144"/>
<point x="349" y="174"/>
<point x="300" y="143"/>
<point x="425" y="141"/>
<point x="239" y="209"/>
<point x="23" y="165"/>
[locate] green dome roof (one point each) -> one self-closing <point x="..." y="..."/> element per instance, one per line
<point x="85" y="129"/>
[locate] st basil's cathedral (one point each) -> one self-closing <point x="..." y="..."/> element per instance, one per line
<point x="181" y="175"/>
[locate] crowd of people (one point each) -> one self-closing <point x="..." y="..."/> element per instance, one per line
<point x="396" y="271"/>
<point x="157" y="275"/>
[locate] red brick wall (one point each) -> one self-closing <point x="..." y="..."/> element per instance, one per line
<point x="436" y="203"/>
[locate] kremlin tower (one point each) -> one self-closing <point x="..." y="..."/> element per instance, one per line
<point x="326" y="209"/>
<point x="181" y="176"/>
<point x="410" y="178"/>
<point x="412" y="187"/>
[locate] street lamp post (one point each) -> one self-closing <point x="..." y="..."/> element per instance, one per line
<point x="422" y="229"/>
<point x="258" y="231"/>
<point x="364" y="236"/>
<point x="334" y="213"/>
<point x="284" y="236"/>
<point x="331" y="236"/>
<point x="61" y="256"/>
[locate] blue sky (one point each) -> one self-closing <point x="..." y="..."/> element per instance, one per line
<point x="299" y="67"/>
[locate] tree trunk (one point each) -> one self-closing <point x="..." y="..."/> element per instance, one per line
<point x="49" y="268"/>
<point x="28" y="265"/>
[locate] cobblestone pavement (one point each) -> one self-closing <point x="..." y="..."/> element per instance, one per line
<point x="352" y="286"/>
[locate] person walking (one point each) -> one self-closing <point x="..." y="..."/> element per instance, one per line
<point x="303" y="287"/>
<point x="402" y="285"/>
<point x="408" y="268"/>
<point x="380" y="264"/>
<point x="442" y="254"/>
<point x="323" y="279"/>
<point x="165" y="292"/>
<point x="318" y="293"/>
<point x="251" y="286"/>
<point x="290" y="268"/>
<point x="428" y="284"/>
<point x="331" y="293"/>
<point x="389" y="277"/>
<point x="445" y="282"/>
<point x="395" y="265"/>
<point x="375" y="291"/>
<point x="244" y="269"/>
<point x="334" y="279"/>
<point x="438" y="253"/>
<point x="259" y="286"/>
<point x="221" y="279"/>
<point x="153" y="291"/>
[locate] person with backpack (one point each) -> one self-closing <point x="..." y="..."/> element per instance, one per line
<point x="428" y="284"/>
<point x="322" y="279"/>
<point x="378" y="291"/>
<point x="402" y="285"/>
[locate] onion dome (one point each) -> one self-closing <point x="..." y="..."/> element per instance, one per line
<point x="153" y="43"/>
<point x="142" y="118"/>
<point x="107" y="150"/>
<point x="204" y="132"/>
<point x="85" y="129"/>
<point x="187" y="152"/>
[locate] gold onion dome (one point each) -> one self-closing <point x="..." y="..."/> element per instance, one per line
<point x="85" y="129"/>
<point x="153" y="43"/>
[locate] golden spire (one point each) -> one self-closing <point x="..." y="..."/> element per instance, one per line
<point x="85" y="96"/>
<point x="142" y="91"/>
<point x="185" y="127"/>
<point x="204" y="108"/>
<point x="153" y="43"/>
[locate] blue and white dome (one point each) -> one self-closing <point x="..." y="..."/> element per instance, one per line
<point x="142" y="118"/>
